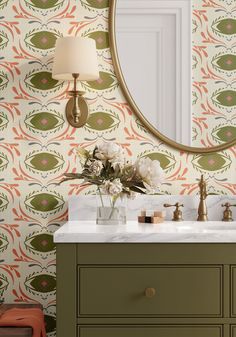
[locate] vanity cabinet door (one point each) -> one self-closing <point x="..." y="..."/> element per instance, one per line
<point x="233" y="330"/>
<point x="233" y="292"/>
<point x="150" y="331"/>
<point x="172" y="291"/>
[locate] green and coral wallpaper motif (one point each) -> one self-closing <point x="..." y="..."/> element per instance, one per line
<point x="37" y="144"/>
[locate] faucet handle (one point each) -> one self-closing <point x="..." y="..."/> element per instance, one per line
<point x="227" y="204"/>
<point x="177" y="215"/>
<point x="227" y="215"/>
<point x="177" y="205"/>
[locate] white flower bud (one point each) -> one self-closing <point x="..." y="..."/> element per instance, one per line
<point x="96" y="167"/>
<point x="113" y="187"/>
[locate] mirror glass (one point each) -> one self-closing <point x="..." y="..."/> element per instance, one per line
<point x="154" y="48"/>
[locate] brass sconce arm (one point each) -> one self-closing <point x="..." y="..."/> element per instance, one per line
<point x="77" y="110"/>
<point x="74" y="94"/>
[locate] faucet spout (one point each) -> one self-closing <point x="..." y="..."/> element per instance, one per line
<point x="202" y="208"/>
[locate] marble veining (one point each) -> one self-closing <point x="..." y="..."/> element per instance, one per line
<point x="169" y="231"/>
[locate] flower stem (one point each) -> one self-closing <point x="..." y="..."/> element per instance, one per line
<point x="111" y="201"/>
<point x="100" y="194"/>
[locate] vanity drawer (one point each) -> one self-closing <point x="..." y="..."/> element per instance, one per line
<point x="186" y="291"/>
<point x="151" y="331"/>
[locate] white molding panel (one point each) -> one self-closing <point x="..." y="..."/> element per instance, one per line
<point x="155" y="52"/>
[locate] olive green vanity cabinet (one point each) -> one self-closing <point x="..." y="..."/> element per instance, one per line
<point x="233" y="330"/>
<point x="151" y="331"/>
<point x="146" y="290"/>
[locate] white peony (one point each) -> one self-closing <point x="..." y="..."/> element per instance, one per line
<point x="151" y="173"/>
<point x="113" y="187"/>
<point x="110" y="151"/>
<point x="96" y="167"/>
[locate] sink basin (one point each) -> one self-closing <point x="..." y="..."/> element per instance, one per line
<point x="222" y="227"/>
<point x="199" y="227"/>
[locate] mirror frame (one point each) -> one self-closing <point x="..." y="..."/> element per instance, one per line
<point x="134" y="107"/>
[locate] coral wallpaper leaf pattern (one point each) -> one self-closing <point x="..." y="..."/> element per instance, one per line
<point x="214" y="66"/>
<point x="36" y="142"/>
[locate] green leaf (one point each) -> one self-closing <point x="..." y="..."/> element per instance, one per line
<point x="136" y="189"/>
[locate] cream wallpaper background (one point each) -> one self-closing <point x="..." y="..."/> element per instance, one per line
<point x="36" y="143"/>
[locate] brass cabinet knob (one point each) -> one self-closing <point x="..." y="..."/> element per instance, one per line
<point x="150" y="292"/>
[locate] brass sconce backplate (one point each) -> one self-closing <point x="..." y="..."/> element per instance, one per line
<point x="83" y="108"/>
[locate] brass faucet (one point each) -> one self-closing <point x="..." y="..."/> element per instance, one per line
<point x="177" y="215"/>
<point x="202" y="208"/>
<point x="228" y="215"/>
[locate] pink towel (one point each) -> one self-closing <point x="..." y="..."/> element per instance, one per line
<point x="33" y="318"/>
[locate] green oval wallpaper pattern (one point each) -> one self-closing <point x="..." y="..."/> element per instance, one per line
<point x="42" y="40"/>
<point x="3" y="40"/>
<point x="3" y="284"/>
<point x="41" y="283"/>
<point x="225" y="26"/>
<point x="225" y="62"/>
<point x="37" y="144"/>
<point x="3" y="80"/>
<point x="38" y="5"/>
<point x="39" y="81"/>
<point x="101" y="38"/>
<point x="3" y="121"/>
<point x="224" y="133"/>
<point x="40" y="243"/>
<point x="44" y="162"/>
<point x="3" y="242"/>
<point x="44" y="122"/>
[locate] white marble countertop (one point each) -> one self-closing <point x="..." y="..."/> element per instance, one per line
<point x="169" y="231"/>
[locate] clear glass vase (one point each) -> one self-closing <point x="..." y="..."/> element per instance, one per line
<point x="110" y="212"/>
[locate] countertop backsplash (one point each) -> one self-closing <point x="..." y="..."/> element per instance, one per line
<point x="84" y="207"/>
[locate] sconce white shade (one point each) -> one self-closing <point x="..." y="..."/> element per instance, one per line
<point x="75" y="55"/>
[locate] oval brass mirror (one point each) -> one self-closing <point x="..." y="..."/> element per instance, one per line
<point x="148" y="123"/>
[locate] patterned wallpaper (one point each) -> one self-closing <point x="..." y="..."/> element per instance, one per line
<point x="214" y="66"/>
<point x="36" y="143"/>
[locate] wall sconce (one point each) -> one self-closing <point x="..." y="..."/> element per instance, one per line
<point x="76" y="60"/>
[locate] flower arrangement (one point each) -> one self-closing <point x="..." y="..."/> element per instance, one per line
<point x="107" y="168"/>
